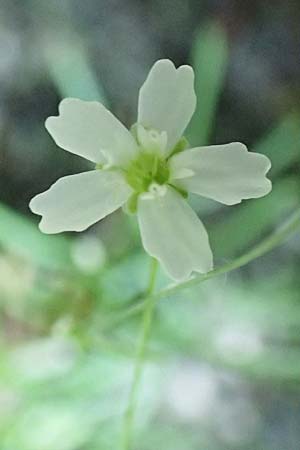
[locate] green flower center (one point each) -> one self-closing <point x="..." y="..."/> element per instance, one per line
<point x="151" y="167"/>
<point x="148" y="168"/>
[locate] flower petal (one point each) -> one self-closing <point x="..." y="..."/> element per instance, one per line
<point x="75" y="202"/>
<point x="88" y="129"/>
<point x="172" y="232"/>
<point x="225" y="173"/>
<point x="167" y="99"/>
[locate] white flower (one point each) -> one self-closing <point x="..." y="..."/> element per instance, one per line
<point x="148" y="170"/>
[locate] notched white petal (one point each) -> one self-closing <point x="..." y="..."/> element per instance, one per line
<point x="225" y="173"/>
<point x="75" y="202"/>
<point x="172" y="233"/>
<point x="89" y="130"/>
<point x="167" y="99"/>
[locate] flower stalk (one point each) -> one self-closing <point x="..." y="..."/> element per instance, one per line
<point x="128" y="420"/>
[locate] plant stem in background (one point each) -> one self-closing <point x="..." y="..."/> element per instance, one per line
<point x="291" y="225"/>
<point x="128" y="420"/>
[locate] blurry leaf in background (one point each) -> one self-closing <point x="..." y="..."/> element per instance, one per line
<point x="126" y="280"/>
<point x="237" y="324"/>
<point x="282" y="144"/>
<point x="209" y="60"/>
<point x="17" y="279"/>
<point x="88" y="253"/>
<point x="22" y="237"/>
<point x="74" y="398"/>
<point x="232" y="235"/>
<point x="56" y="356"/>
<point x="68" y="64"/>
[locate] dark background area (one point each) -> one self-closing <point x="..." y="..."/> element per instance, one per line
<point x="119" y="41"/>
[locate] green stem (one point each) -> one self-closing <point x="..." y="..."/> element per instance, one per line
<point x="128" y="420"/>
<point x="266" y="245"/>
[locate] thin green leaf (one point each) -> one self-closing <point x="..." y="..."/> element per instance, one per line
<point x="209" y="60"/>
<point x="70" y="69"/>
<point x="282" y="144"/>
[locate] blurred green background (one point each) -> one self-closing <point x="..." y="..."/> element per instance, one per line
<point x="224" y="358"/>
